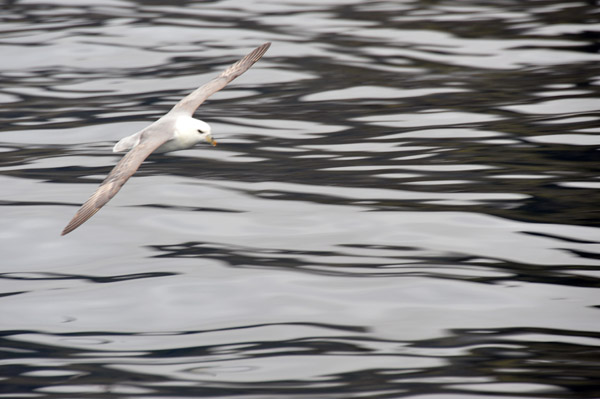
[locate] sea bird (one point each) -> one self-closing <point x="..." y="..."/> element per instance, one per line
<point x="176" y="130"/>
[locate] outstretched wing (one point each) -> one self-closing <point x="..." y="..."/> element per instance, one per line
<point x="192" y="101"/>
<point x="122" y="171"/>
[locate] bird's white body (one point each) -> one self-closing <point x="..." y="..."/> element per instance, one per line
<point x="186" y="132"/>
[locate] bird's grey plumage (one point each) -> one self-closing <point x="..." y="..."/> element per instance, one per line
<point x="157" y="135"/>
<point x="192" y="101"/>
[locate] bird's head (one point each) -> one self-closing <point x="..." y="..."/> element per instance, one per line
<point x="203" y="129"/>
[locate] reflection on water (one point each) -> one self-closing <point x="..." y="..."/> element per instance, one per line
<point x="403" y="202"/>
<point x="521" y="362"/>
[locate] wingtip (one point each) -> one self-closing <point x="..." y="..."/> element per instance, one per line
<point x="69" y="228"/>
<point x="260" y="51"/>
<point x="87" y="210"/>
<point x="73" y="224"/>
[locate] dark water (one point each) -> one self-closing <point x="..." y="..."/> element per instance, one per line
<point x="403" y="202"/>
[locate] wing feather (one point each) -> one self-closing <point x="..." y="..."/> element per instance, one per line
<point x="122" y="171"/>
<point x="192" y="101"/>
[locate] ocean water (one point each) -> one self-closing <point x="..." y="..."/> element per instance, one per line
<point x="403" y="202"/>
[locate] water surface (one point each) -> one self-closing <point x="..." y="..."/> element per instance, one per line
<point x="403" y="202"/>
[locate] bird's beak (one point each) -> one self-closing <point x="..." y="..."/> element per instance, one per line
<point x="212" y="141"/>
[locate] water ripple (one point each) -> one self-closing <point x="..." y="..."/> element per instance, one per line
<point x="403" y="202"/>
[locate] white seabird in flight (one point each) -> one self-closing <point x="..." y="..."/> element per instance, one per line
<point x="176" y="130"/>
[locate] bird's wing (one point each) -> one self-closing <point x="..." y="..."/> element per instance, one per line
<point x="192" y="101"/>
<point x="127" y="166"/>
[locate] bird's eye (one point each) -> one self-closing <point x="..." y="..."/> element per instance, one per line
<point x="200" y="131"/>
